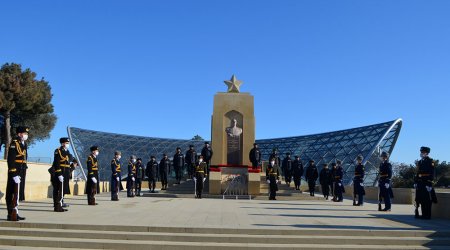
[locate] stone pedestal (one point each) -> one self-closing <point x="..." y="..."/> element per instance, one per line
<point x="215" y="179"/>
<point x="232" y="128"/>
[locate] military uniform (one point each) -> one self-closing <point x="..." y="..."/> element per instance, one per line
<point x="61" y="164"/>
<point x="384" y="185"/>
<point x="139" y="176"/>
<point x="358" y="185"/>
<point x="164" y="170"/>
<point x="311" y="177"/>
<point x="425" y="194"/>
<point x="272" y="177"/>
<point x="324" y="179"/>
<point x="116" y="178"/>
<point x="17" y="159"/>
<point x="131" y="179"/>
<point x="152" y="174"/>
<point x="191" y="159"/>
<point x="297" y="172"/>
<point x="275" y="156"/>
<point x="286" y="167"/>
<point x="255" y="157"/>
<point x="92" y="185"/>
<point x="338" y="187"/>
<point x="178" y="165"/>
<point x="200" y="177"/>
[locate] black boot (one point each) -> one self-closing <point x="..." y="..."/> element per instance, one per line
<point x="379" y="207"/>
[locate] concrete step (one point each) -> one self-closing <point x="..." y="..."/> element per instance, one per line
<point x="223" y="238"/>
<point x="17" y="226"/>
<point x="52" y="242"/>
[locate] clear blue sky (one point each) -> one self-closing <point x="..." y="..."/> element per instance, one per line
<point x="152" y="67"/>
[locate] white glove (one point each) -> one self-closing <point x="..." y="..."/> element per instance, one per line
<point x="117" y="178"/>
<point x="277" y="181"/>
<point x="362" y="184"/>
<point x="415" y="185"/>
<point x="132" y="178"/>
<point x="268" y="181"/>
<point x="429" y="188"/>
<point x="386" y="185"/>
<point x="94" y="180"/>
<point x="339" y="184"/>
<point x="16" y="179"/>
<point x="204" y="179"/>
<point x="195" y="179"/>
<point x="61" y="178"/>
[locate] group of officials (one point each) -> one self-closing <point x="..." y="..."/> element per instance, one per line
<point x="197" y="168"/>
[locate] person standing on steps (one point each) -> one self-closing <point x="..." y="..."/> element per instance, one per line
<point x="324" y="180"/>
<point x="17" y="158"/>
<point x="191" y="160"/>
<point x="131" y="179"/>
<point x="338" y="185"/>
<point x="384" y="183"/>
<point x="425" y="194"/>
<point x="207" y="154"/>
<point x="272" y="178"/>
<point x="92" y="184"/>
<point x="178" y="165"/>
<point x="311" y="177"/>
<point x="200" y="177"/>
<point x="164" y="171"/>
<point x="287" y="169"/>
<point x="358" y="182"/>
<point x="297" y="172"/>
<point x="139" y="176"/>
<point x="116" y="176"/>
<point x="152" y="172"/>
<point x="60" y="167"/>
<point x="255" y="156"/>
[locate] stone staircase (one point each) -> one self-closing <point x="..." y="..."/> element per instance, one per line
<point x="287" y="193"/>
<point x="53" y="236"/>
<point x="183" y="190"/>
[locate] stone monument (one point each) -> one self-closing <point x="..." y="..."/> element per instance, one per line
<point x="233" y="125"/>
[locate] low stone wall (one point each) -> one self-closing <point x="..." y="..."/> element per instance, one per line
<point x="442" y="208"/>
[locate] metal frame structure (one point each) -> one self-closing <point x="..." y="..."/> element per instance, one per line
<point x="345" y="145"/>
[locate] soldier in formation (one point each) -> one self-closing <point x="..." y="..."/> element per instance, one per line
<point x="272" y="178"/>
<point x="200" y="177"/>
<point x="425" y="194"/>
<point x="116" y="176"/>
<point x="178" y="165"/>
<point x="92" y="184"/>
<point x="207" y="154"/>
<point x="17" y="159"/>
<point x="139" y="176"/>
<point x="358" y="182"/>
<point x="338" y="175"/>
<point x="131" y="179"/>
<point x="384" y="183"/>
<point x="191" y="160"/>
<point x="59" y="176"/>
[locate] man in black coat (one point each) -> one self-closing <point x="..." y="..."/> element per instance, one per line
<point x="297" y="172"/>
<point x="164" y="171"/>
<point x="207" y="154"/>
<point x="255" y="156"/>
<point x="286" y="167"/>
<point x="324" y="180"/>
<point x="178" y="165"/>
<point x="311" y="176"/>
<point x="275" y="156"/>
<point x="139" y="176"/>
<point x="191" y="160"/>
<point x="425" y="194"/>
<point x="152" y="172"/>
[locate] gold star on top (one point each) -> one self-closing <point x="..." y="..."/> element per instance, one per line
<point x="233" y="85"/>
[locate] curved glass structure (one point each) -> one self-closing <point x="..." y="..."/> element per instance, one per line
<point x="345" y="145"/>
